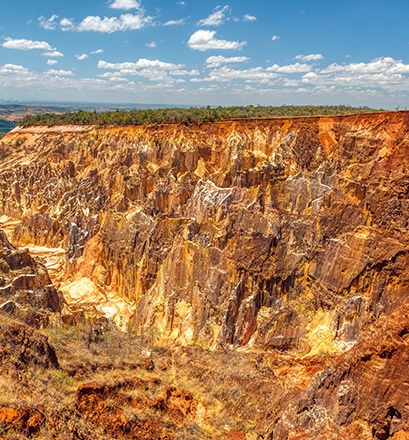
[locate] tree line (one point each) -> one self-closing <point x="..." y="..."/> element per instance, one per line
<point x="185" y="115"/>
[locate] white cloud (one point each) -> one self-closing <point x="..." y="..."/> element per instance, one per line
<point x="52" y="62"/>
<point x="193" y="72"/>
<point x="22" y="44"/>
<point x="48" y="23"/>
<point x="142" y="63"/>
<point x="174" y="22"/>
<point x="216" y="61"/>
<point x="93" y="52"/>
<point x="81" y="57"/>
<point x="247" y="17"/>
<point x="151" y="44"/>
<point x="380" y="82"/>
<point x="67" y="24"/>
<point x="153" y="70"/>
<point x="310" y="57"/>
<point x="216" y="18"/>
<point x="378" y="65"/>
<point x="204" y="40"/>
<point x="290" y="68"/>
<point x="113" y="24"/>
<point x="52" y="54"/>
<point x="13" y="68"/>
<point x="381" y="74"/>
<point x="275" y="37"/>
<point x="60" y="72"/>
<point x="125" y="4"/>
<point x="226" y="74"/>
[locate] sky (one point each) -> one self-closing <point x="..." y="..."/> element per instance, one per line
<point x="206" y="52"/>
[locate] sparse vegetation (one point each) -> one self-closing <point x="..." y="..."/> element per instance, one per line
<point x="179" y="392"/>
<point x="184" y="115"/>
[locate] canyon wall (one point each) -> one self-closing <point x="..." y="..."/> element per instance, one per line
<point x="288" y="234"/>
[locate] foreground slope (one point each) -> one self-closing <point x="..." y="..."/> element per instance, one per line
<point x="286" y="234"/>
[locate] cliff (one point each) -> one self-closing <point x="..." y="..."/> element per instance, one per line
<point x="284" y="234"/>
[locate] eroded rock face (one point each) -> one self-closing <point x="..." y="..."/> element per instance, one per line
<point x="288" y="234"/>
<point x="361" y="395"/>
<point x="282" y="235"/>
<point x="26" y="290"/>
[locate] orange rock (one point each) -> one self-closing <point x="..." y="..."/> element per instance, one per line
<point x="22" y="419"/>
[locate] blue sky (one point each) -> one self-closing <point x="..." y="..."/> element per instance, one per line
<point x="195" y="52"/>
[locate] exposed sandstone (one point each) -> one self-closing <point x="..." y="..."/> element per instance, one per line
<point x="287" y="235"/>
<point x="361" y="395"/>
<point x="26" y="290"/>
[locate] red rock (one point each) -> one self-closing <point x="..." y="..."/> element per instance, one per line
<point x="21" y="419"/>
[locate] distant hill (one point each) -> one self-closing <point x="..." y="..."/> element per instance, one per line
<point x="11" y="114"/>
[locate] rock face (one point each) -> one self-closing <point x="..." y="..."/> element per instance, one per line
<point x="26" y="290"/>
<point x="361" y="395"/>
<point x="288" y="234"/>
<point x="285" y="234"/>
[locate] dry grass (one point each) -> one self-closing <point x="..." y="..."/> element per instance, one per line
<point x="230" y="389"/>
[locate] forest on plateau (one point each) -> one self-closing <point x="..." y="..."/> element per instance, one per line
<point x="185" y="115"/>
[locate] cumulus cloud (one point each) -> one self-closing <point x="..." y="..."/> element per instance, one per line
<point x="380" y="80"/>
<point x="142" y="63"/>
<point x="125" y="4"/>
<point x="23" y="81"/>
<point x="12" y="69"/>
<point x="275" y="37"/>
<point x="290" y="68"/>
<point x="227" y="74"/>
<point x="52" y="23"/>
<point x="60" y="72"/>
<point x="247" y="17"/>
<point x="216" y="18"/>
<point x="152" y="44"/>
<point x="93" y="52"/>
<point x="216" y="61"/>
<point x="381" y="74"/>
<point x="48" y="23"/>
<point x="81" y="57"/>
<point x="52" y="62"/>
<point x="378" y="65"/>
<point x="22" y="44"/>
<point x="204" y="40"/>
<point x="183" y="72"/>
<point x="67" y="24"/>
<point x="52" y="54"/>
<point x="108" y="25"/>
<point x="153" y="70"/>
<point x="310" y="57"/>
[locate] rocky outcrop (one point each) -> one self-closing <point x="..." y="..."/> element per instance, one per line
<point x="22" y="347"/>
<point x="26" y="290"/>
<point x="91" y="401"/>
<point x="21" y="419"/>
<point x="285" y="233"/>
<point x="362" y="394"/>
